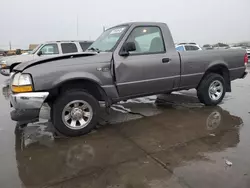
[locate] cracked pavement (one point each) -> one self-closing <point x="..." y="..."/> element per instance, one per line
<point x="174" y="142"/>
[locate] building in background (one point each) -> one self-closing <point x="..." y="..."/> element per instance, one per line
<point x="2" y="52"/>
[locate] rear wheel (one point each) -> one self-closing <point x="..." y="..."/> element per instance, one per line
<point x="75" y="113"/>
<point x="211" y="90"/>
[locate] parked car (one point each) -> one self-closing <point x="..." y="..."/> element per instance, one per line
<point x="248" y="54"/>
<point x="51" y="49"/>
<point x="208" y="47"/>
<point x="187" y="47"/>
<point x="127" y="61"/>
<point x="245" y="46"/>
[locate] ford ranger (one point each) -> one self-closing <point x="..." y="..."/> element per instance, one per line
<point x="127" y="61"/>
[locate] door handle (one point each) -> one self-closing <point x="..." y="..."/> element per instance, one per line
<point x="166" y="60"/>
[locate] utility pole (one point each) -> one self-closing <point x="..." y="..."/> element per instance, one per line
<point x="10" y="45"/>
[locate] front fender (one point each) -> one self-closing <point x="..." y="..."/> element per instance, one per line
<point x="76" y="76"/>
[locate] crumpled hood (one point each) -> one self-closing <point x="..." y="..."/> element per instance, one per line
<point x="85" y="57"/>
<point x="17" y="59"/>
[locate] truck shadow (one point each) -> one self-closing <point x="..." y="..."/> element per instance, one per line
<point x="133" y="130"/>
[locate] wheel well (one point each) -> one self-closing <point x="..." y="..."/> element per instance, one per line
<point x="13" y="65"/>
<point x="90" y="86"/>
<point x="221" y="70"/>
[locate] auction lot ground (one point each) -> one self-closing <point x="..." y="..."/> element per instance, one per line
<point x="178" y="144"/>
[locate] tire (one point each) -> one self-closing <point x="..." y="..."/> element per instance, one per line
<point x="205" y="94"/>
<point x="59" y="112"/>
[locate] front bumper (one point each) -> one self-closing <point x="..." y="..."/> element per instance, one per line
<point x="27" y="105"/>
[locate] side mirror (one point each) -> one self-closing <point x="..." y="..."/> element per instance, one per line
<point x="40" y="53"/>
<point x="128" y="47"/>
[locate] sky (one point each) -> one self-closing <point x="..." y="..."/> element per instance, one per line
<point x="25" y="22"/>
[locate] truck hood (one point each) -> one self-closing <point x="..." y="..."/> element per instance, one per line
<point x="86" y="57"/>
<point x="17" y="59"/>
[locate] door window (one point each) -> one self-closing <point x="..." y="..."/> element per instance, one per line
<point x="194" y="48"/>
<point x="49" y="49"/>
<point x="147" y="40"/>
<point x="191" y="48"/>
<point x="188" y="48"/>
<point x="68" y="48"/>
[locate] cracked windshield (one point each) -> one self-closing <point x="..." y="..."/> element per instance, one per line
<point x="136" y="94"/>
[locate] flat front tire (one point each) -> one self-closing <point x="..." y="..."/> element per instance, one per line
<point x="75" y="113"/>
<point x="211" y="90"/>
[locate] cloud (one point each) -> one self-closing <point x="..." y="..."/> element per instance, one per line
<point x="29" y="21"/>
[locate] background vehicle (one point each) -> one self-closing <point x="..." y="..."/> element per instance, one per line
<point x="43" y="50"/>
<point x="248" y="53"/>
<point x="127" y="61"/>
<point x="208" y="47"/>
<point x="187" y="47"/>
<point x="221" y="46"/>
<point x="243" y="45"/>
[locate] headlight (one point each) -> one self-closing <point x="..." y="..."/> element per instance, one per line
<point x="16" y="79"/>
<point x="3" y="64"/>
<point x="24" y="80"/>
<point x="22" y="83"/>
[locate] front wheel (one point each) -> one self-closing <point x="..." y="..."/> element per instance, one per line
<point x="75" y="113"/>
<point x="211" y="90"/>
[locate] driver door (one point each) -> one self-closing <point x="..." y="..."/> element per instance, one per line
<point x="150" y="68"/>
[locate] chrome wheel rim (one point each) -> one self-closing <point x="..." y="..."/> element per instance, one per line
<point x="215" y="90"/>
<point x="77" y="114"/>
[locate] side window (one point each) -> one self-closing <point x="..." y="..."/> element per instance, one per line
<point x="85" y="45"/>
<point x="50" y="49"/>
<point x="180" y="48"/>
<point x="188" y="48"/>
<point x="68" y="48"/>
<point x="195" y="48"/>
<point x="147" y="40"/>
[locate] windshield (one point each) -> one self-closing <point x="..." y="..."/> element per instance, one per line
<point x="36" y="48"/>
<point x="107" y="41"/>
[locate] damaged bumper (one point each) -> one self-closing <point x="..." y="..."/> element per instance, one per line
<point x="27" y="105"/>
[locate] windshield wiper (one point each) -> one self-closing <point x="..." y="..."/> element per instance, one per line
<point x="94" y="49"/>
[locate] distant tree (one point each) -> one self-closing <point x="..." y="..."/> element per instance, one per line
<point x="206" y="45"/>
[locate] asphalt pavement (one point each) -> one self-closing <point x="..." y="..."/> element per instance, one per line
<point x="151" y="142"/>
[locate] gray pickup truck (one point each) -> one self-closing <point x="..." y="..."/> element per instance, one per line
<point x="45" y="50"/>
<point x="127" y="61"/>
